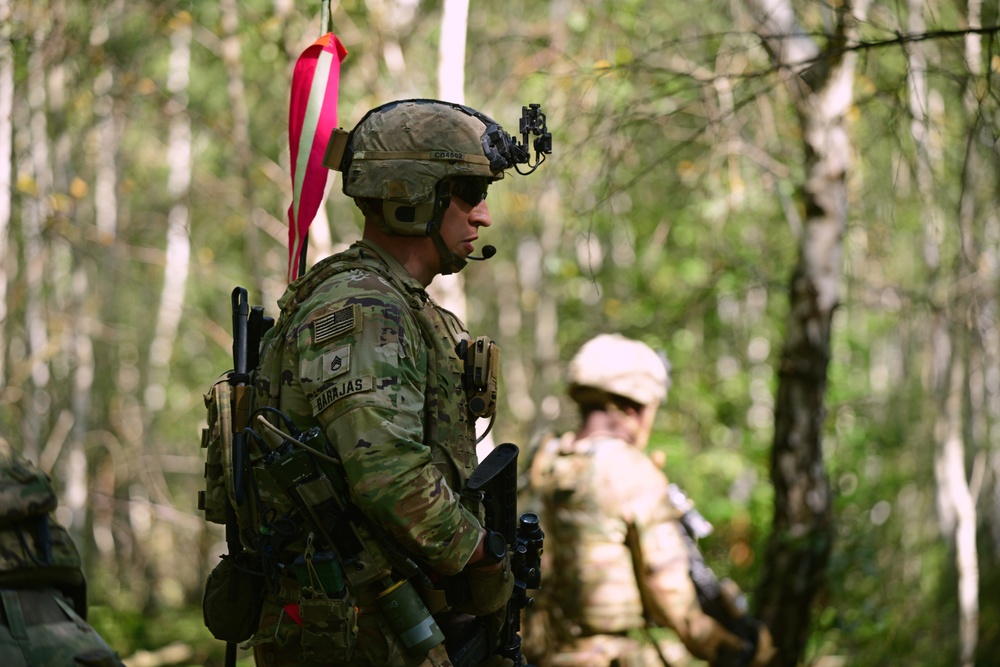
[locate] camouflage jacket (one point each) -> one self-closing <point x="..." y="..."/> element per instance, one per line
<point x="361" y="351"/>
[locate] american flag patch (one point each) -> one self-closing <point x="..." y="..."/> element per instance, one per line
<point x="336" y="323"/>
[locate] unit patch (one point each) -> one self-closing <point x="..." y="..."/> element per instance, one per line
<point x="332" y="394"/>
<point x="337" y="323"/>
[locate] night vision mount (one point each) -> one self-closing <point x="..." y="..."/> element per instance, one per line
<point x="500" y="148"/>
<point x="504" y="151"/>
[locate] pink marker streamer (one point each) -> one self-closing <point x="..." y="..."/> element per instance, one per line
<point x="312" y="116"/>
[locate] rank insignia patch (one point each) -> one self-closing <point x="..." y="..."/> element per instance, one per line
<point x="336" y="323"/>
<point x="336" y="363"/>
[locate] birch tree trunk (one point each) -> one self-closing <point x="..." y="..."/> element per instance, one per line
<point x="953" y="489"/>
<point x="820" y="84"/>
<point x="242" y="164"/>
<point x="6" y="170"/>
<point x="178" y="251"/>
<point x="950" y="351"/>
<point x="449" y="291"/>
<point x="37" y="171"/>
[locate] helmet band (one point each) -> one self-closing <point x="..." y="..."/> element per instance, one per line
<point x="442" y="155"/>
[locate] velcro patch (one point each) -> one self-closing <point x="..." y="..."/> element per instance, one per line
<point x="337" y="323"/>
<point x="332" y="394"/>
<point x="336" y="362"/>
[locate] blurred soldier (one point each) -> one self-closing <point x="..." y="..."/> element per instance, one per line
<point x="617" y="557"/>
<point x="364" y="356"/>
<point x="43" y="597"/>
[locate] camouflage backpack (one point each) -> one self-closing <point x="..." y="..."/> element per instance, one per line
<point x="37" y="558"/>
<point x="35" y="551"/>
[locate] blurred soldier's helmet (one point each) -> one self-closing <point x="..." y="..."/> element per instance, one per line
<point x="614" y="364"/>
<point x="405" y="153"/>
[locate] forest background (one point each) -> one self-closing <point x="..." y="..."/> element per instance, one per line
<point x="144" y="173"/>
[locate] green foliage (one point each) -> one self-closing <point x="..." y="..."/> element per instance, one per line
<point x="668" y="211"/>
<point x="130" y="632"/>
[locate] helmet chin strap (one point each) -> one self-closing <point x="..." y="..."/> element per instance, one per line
<point x="450" y="262"/>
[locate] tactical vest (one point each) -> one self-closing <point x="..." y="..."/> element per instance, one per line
<point x="591" y="577"/>
<point x="448" y="426"/>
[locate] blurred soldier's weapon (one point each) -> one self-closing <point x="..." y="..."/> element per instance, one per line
<point x="495" y="482"/>
<point x="722" y="600"/>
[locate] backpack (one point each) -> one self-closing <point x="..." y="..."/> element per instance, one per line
<point x="233" y="594"/>
<point x="35" y="551"/>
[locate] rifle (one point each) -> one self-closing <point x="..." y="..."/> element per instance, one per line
<point x="249" y="325"/>
<point x="495" y="483"/>
<point x="730" y="611"/>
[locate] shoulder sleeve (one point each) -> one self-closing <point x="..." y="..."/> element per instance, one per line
<point x="363" y="368"/>
<point x="661" y="557"/>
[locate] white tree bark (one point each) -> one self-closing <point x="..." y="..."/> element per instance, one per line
<point x="952" y="350"/>
<point x="37" y="171"/>
<point x="451" y="51"/>
<point x="6" y="170"/>
<point x="231" y="54"/>
<point x="109" y="131"/>
<point x="449" y="291"/>
<point x="821" y="86"/>
<point x="953" y="488"/>
<point x="178" y="252"/>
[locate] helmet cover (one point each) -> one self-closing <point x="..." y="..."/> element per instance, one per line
<point x="402" y="150"/>
<point x="618" y="365"/>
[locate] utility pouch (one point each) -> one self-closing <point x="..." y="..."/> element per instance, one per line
<point x="292" y="472"/>
<point x="217" y="438"/>
<point x="329" y="629"/>
<point x="234" y="595"/>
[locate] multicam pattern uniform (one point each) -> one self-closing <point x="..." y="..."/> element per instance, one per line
<point x="616" y="555"/>
<point x="364" y="354"/>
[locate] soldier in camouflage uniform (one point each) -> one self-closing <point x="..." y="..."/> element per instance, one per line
<point x="43" y="600"/>
<point x="362" y="353"/>
<point x="616" y="556"/>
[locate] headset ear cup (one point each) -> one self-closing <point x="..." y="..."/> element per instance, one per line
<point x="417" y="219"/>
<point x="408" y="219"/>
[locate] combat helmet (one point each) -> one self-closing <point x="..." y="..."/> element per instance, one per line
<point x="406" y="152"/>
<point x="614" y="364"/>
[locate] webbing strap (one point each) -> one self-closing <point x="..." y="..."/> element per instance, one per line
<point x="15" y="615"/>
<point x="71" y="614"/>
<point x="441" y="155"/>
<point x="15" y="620"/>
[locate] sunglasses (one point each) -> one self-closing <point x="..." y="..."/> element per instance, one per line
<point x="470" y="189"/>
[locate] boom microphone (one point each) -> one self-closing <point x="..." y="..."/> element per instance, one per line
<point x="488" y="251"/>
